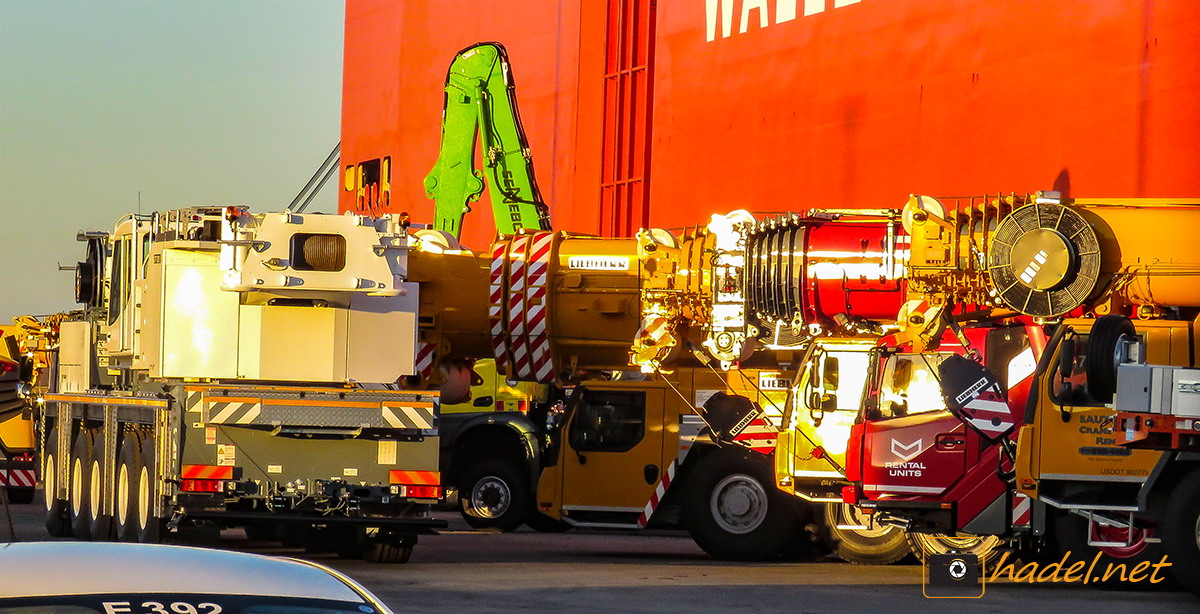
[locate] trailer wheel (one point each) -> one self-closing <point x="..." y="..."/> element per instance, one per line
<point x="100" y="524"/>
<point x="129" y="465"/>
<point x="732" y="510"/>
<point x="877" y="545"/>
<point x="1181" y="532"/>
<point x="56" y="509"/>
<point x="79" y="513"/>
<point x="261" y="532"/>
<point x="495" y="496"/>
<point x="984" y="547"/>
<point x="150" y="528"/>
<point x="389" y="551"/>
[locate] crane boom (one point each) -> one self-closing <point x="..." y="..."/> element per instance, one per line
<point x="481" y="105"/>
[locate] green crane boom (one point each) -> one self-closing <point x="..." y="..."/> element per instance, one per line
<point x="481" y="102"/>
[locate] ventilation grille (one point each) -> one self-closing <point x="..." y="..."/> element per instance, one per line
<point x="1012" y="271"/>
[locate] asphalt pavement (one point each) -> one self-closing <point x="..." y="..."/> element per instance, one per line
<point x="463" y="570"/>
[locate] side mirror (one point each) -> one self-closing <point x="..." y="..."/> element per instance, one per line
<point x="829" y="373"/>
<point x="828" y="402"/>
<point x="1066" y="358"/>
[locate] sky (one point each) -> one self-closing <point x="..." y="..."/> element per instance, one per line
<point x="189" y="102"/>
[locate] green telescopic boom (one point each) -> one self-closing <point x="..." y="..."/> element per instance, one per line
<point x="481" y="102"/>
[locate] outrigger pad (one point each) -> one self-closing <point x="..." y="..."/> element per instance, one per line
<point x="727" y="415"/>
<point x="973" y="395"/>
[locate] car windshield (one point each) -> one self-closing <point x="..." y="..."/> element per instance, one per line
<point x="179" y="604"/>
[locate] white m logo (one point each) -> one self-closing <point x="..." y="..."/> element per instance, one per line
<point x="907" y="452"/>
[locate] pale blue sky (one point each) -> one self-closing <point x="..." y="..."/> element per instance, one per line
<point x="191" y="102"/>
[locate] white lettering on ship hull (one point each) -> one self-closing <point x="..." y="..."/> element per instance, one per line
<point x="721" y="13"/>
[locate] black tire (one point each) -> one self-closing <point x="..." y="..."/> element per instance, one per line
<point x="292" y="535"/>
<point x="985" y="547"/>
<point x="875" y="546"/>
<point x="495" y="495"/>
<point x="733" y="511"/>
<point x="1101" y="355"/>
<point x="262" y="532"/>
<point x="1181" y="532"/>
<point x="100" y="523"/>
<point x="151" y="529"/>
<point x="79" y="512"/>
<point x="544" y="524"/>
<point x="56" y="509"/>
<point x="125" y="491"/>
<point x="1070" y="535"/>
<point x="20" y="495"/>
<point x="389" y="552"/>
<point x="319" y="540"/>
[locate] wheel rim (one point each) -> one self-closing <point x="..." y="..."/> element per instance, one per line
<point x="50" y="482"/>
<point x="738" y="504"/>
<point x="77" y="486"/>
<point x="1198" y="532"/>
<point x="490" y="497"/>
<point x="123" y="494"/>
<point x="1136" y="545"/>
<point x="143" y="499"/>
<point x="942" y="544"/>
<point x="94" y="489"/>
<point x="854" y="516"/>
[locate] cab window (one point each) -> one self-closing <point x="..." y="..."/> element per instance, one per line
<point x="910" y="385"/>
<point x="848" y="386"/>
<point x="119" y="288"/>
<point x="608" y="421"/>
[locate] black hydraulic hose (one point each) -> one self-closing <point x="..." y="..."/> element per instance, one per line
<point x="1042" y="365"/>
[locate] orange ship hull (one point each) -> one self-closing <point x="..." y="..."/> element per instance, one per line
<point x="659" y="114"/>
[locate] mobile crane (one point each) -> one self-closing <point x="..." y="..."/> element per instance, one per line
<point x="234" y="369"/>
<point x="565" y="309"/>
<point x="1018" y="443"/>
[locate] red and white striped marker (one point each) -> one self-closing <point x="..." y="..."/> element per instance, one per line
<point x="1022" y="513"/>
<point x="760" y="436"/>
<point x="516" y="307"/>
<point x="496" y="305"/>
<point x="659" y="492"/>
<point x="423" y="365"/>
<point x="18" y="478"/>
<point x="990" y="414"/>
<point x="655" y="328"/>
<point x="535" y="309"/>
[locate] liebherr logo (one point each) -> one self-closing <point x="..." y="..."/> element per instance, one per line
<point x="906" y="452"/>
<point x="722" y="11"/>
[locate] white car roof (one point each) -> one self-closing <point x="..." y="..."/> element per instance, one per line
<point x="38" y="569"/>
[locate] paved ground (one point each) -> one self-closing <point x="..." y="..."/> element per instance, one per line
<point x="623" y="572"/>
